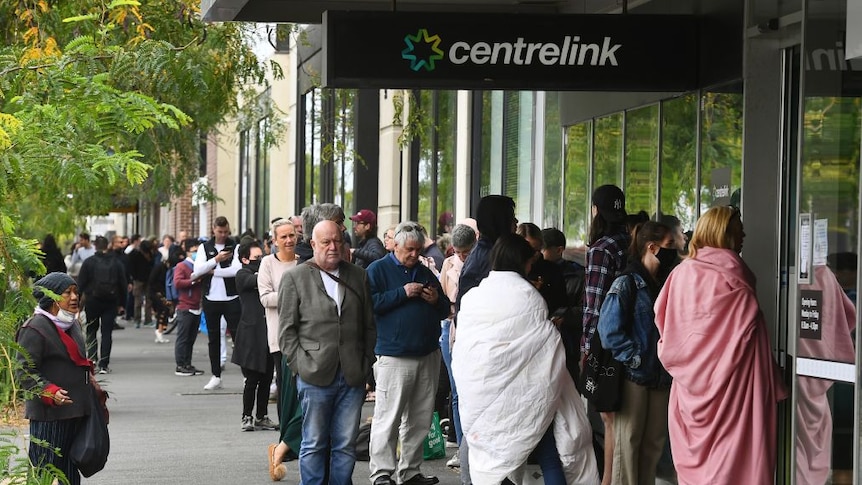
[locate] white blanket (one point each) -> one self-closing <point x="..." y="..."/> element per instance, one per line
<point x="509" y="366"/>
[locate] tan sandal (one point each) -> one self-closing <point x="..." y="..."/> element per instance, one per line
<point x="277" y="471"/>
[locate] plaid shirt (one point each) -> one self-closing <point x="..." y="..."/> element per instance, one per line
<point x="606" y="259"/>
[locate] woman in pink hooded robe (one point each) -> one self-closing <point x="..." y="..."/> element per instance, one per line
<point x="715" y="344"/>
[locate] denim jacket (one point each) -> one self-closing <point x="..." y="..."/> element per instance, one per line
<point x="634" y="343"/>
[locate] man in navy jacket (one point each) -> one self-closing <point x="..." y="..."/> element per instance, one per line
<point x="408" y="306"/>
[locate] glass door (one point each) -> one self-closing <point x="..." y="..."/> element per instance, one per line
<point x="823" y="297"/>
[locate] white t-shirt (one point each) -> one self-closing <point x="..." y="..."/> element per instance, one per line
<point x="332" y="288"/>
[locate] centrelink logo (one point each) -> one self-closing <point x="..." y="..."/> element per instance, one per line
<point x="409" y="53"/>
<point x="571" y="51"/>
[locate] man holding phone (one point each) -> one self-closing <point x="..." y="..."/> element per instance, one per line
<point x="216" y="260"/>
<point x="408" y="306"/>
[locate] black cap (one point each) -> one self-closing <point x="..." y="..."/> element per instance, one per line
<point x="611" y="203"/>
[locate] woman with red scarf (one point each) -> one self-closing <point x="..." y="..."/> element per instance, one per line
<point x="57" y="373"/>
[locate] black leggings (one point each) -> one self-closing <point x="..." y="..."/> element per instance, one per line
<point x="257" y="386"/>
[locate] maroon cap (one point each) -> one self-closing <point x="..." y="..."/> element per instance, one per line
<point x="366" y="216"/>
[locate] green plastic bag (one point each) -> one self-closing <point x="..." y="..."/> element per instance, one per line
<point x="434" y="447"/>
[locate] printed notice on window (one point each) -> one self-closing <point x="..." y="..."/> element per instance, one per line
<point x="810" y="304"/>
<point x="821" y="242"/>
<point x="803" y="253"/>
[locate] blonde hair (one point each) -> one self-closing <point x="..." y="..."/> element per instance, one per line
<point x="713" y="230"/>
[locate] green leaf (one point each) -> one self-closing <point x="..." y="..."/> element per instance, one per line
<point x="121" y="3"/>
<point x="80" y="18"/>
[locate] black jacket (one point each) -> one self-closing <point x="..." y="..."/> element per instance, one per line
<point x="50" y="363"/>
<point x="140" y="266"/>
<point x="251" y="346"/>
<point x="303" y="252"/>
<point x="368" y="251"/>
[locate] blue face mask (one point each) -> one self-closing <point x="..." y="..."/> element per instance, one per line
<point x="194" y="255"/>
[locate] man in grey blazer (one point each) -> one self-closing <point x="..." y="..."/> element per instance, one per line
<point x="327" y="335"/>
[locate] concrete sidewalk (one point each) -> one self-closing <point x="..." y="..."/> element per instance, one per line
<point x="166" y="429"/>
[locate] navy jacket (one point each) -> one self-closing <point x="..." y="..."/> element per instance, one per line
<point x="406" y="327"/>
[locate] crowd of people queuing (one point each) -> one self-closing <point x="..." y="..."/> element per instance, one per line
<point x="490" y="314"/>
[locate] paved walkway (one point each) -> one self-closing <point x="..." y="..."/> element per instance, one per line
<point x="166" y="429"/>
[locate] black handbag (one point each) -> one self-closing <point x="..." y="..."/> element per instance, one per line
<point x="602" y="378"/>
<point x="92" y="444"/>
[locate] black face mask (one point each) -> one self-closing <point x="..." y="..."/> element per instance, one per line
<point x="667" y="257"/>
<point x="253" y="265"/>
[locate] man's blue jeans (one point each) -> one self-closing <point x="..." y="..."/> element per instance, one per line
<point x="330" y="417"/>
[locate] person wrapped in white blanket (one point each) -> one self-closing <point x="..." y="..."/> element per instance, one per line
<point x="515" y="395"/>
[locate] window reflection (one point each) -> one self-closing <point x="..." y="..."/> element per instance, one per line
<point x="829" y="193"/>
<point x="721" y="149"/>
<point x="436" y="165"/>
<point x="679" y="159"/>
<point x="641" y="160"/>
<point x="576" y="190"/>
<point x="608" y="150"/>
<point x="553" y="169"/>
<point x="329" y="146"/>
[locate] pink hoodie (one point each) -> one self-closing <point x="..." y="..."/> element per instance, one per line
<point x="715" y="344"/>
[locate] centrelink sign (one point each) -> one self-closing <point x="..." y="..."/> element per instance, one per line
<point x="503" y="51"/>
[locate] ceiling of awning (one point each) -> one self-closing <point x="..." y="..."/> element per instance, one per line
<point x="311" y="11"/>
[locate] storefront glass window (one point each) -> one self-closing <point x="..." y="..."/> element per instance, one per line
<point x="608" y="150"/>
<point x="641" y="162"/>
<point x="827" y="253"/>
<point x="721" y="149"/>
<point x="343" y="147"/>
<point x="679" y="160"/>
<point x="518" y="150"/>
<point x="553" y="169"/>
<point x="312" y="137"/>
<point x="492" y="143"/>
<point x="576" y="187"/>
<point x="436" y="167"/>
<point x="244" y="176"/>
<point x="261" y="196"/>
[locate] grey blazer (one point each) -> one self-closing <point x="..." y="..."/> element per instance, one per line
<point x="314" y="338"/>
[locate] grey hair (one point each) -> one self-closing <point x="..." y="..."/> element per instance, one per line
<point x="463" y="236"/>
<point x="279" y="223"/>
<point x="331" y="212"/>
<point x="315" y="213"/>
<point x="408" y="231"/>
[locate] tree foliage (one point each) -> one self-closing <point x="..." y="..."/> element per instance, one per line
<point x="102" y="101"/>
<point x="109" y="101"/>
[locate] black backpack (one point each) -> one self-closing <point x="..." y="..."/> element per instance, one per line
<point x="105" y="278"/>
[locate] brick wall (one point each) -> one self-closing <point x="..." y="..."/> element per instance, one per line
<point x="182" y="216"/>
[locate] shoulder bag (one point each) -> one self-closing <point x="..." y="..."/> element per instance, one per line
<point x="602" y="377"/>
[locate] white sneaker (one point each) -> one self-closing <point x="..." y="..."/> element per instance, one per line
<point x="160" y="338"/>
<point x="454" y="462"/>
<point x="214" y="383"/>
